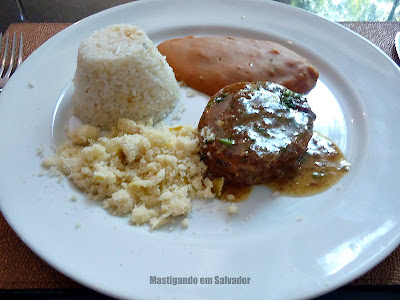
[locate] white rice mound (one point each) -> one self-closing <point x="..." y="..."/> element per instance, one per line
<point x="121" y="74"/>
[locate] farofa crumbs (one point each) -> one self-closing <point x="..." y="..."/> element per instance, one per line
<point x="185" y="223"/>
<point x="83" y="135"/>
<point x="233" y="209"/>
<point x="230" y="197"/>
<point x="190" y="93"/>
<point x="148" y="173"/>
<point x="39" y="150"/>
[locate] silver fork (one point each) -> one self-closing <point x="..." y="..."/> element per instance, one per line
<point x="4" y="77"/>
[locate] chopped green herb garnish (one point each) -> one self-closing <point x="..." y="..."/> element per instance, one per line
<point x="288" y="98"/>
<point x="289" y="102"/>
<point x="287" y="93"/>
<point x="227" y="142"/>
<point x="221" y="97"/>
<point x="283" y="149"/>
<point x="260" y="129"/>
<point x="318" y="175"/>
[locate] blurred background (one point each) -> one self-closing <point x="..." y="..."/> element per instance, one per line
<point x="12" y="11"/>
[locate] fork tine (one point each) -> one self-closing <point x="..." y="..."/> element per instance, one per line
<point x="1" y="42"/>
<point x="21" y="50"/>
<point x="3" y="62"/>
<point x="11" y="65"/>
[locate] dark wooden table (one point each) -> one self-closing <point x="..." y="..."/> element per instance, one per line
<point x="52" y="11"/>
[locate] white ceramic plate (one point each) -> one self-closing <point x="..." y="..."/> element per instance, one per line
<point x="289" y="247"/>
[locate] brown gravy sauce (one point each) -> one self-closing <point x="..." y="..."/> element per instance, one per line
<point x="321" y="167"/>
<point x="240" y="191"/>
